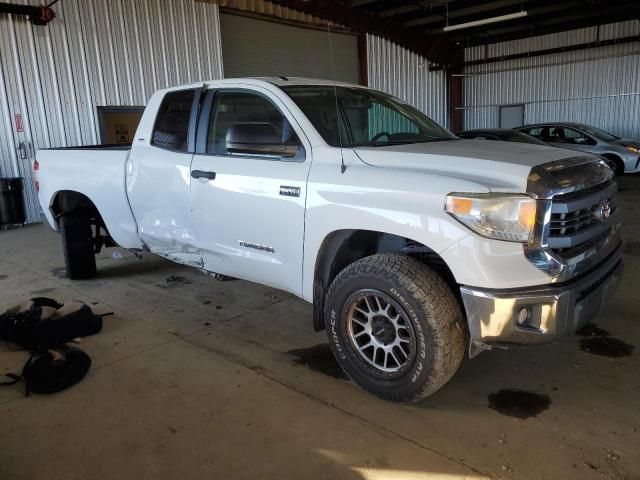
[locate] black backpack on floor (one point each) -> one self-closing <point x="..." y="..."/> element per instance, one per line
<point x="43" y="326"/>
<point x="52" y="371"/>
<point x="43" y="323"/>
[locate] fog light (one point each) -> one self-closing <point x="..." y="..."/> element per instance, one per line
<point x="523" y="317"/>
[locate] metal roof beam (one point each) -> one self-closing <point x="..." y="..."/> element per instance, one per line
<point x="413" y="7"/>
<point x="437" y="50"/>
<point x="459" y="12"/>
<point x="533" y="15"/>
<point x="37" y="15"/>
<point x="360" y="3"/>
<point x="455" y="12"/>
<point x="551" y="51"/>
<point x="518" y="32"/>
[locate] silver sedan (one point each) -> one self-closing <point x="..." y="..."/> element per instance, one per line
<point x="622" y="154"/>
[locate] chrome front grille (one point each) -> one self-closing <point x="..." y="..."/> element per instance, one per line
<point x="576" y="223"/>
<point x="573" y="222"/>
<point x="579" y="217"/>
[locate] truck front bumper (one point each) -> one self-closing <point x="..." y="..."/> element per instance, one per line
<point x="539" y="314"/>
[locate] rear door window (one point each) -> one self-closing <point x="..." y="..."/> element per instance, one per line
<point x="576" y="137"/>
<point x="171" y="130"/>
<point x="558" y="135"/>
<point x="536" y="132"/>
<point x="568" y="136"/>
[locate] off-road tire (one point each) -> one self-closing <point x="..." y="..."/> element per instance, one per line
<point x="430" y="306"/>
<point x="77" y="246"/>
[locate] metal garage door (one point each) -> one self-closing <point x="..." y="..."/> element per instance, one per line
<point x="252" y="47"/>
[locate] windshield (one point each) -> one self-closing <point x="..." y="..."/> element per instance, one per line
<point x="367" y="118"/>
<point x="601" y="134"/>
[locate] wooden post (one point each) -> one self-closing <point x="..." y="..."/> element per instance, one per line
<point x="455" y="89"/>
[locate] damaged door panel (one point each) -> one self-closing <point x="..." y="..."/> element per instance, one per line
<point x="158" y="180"/>
<point x="248" y="199"/>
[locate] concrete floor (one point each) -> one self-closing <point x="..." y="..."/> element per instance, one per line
<point x="196" y="378"/>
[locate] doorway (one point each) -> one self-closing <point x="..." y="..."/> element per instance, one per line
<point x="511" y="116"/>
<point x="118" y="124"/>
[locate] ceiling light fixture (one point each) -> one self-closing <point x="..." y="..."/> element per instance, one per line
<point x="501" y="18"/>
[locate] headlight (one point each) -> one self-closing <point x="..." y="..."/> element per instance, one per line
<point x="632" y="149"/>
<point x="507" y="217"/>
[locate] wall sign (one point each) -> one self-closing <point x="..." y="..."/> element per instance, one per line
<point x="19" y="123"/>
<point x="122" y="133"/>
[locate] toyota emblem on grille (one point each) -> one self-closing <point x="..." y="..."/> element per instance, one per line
<point x="605" y="210"/>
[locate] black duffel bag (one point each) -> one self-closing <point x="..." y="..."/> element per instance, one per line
<point x="43" y="323"/>
<point x="43" y="326"/>
<point x="52" y="371"/>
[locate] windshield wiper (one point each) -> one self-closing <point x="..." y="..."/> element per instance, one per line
<point x="387" y="143"/>
<point x="405" y="142"/>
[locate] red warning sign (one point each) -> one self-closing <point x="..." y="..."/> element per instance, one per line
<point x="19" y="123"/>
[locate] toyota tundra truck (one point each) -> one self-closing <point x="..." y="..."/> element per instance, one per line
<point x="414" y="246"/>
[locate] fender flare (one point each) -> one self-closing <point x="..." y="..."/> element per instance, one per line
<point x="342" y="247"/>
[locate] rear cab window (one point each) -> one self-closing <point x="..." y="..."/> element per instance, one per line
<point x="173" y="122"/>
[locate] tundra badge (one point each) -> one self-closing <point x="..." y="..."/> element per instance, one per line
<point x="256" y="246"/>
<point x="288" y="191"/>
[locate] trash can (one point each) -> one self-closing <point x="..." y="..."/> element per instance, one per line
<point x="12" y="210"/>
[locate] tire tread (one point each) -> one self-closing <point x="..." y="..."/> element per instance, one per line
<point x="77" y="247"/>
<point x="436" y="300"/>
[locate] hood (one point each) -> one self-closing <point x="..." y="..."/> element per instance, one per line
<point x="500" y="166"/>
<point x="628" y="142"/>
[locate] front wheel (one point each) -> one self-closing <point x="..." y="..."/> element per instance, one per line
<point x="395" y="327"/>
<point x="614" y="164"/>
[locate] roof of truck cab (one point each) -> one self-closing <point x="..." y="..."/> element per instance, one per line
<point x="284" y="81"/>
<point x="263" y="81"/>
<point x="278" y="81"/>
<point x="287" y="81"/>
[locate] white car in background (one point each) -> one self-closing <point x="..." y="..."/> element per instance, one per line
<point x="621" y="154"/>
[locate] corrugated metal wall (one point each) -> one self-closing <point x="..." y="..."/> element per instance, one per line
<point x="96" y="52"/>
<point x="406" y="75"/>
<point x="599" y="86"/>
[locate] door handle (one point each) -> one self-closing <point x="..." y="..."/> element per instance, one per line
<point x="203" y="174"/>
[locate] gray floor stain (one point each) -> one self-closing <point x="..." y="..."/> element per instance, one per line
<point x="60" y="272"/>
<point x="632" y="247"/>
<point x="42" y="290"/>
<point x="318" y="358"/>
<point x="592" y="330"/>
<point x="606" y="347"/>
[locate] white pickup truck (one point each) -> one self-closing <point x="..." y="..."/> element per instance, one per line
<point x="411" y="243"/>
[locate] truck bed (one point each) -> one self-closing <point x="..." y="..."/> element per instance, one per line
<point x="99" y="173"/>
<point x="101" y="146"/>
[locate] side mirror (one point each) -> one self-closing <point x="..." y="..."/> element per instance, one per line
<point x="258" y="138"/>
<point x="581" y="140"/>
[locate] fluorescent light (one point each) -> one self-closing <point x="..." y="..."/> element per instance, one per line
<point x="501" y="18"/>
